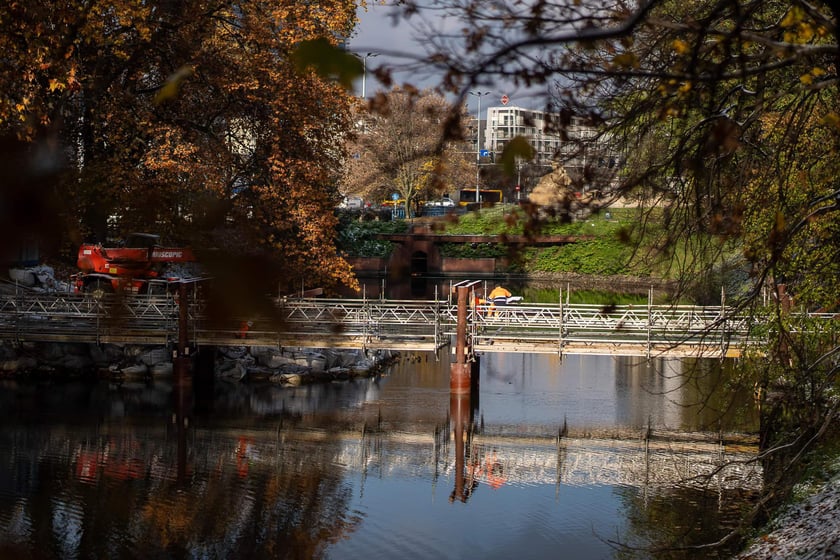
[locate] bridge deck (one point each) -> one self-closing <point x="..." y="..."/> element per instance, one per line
<point x="387" y="324"/>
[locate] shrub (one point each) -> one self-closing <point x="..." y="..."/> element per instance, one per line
<point x="357" y="238"/>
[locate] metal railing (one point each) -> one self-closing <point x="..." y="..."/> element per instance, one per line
<point x="366" y="323"/>
<point x="611" y="329"/>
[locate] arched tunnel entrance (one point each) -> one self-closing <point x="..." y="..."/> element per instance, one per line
<point x="419" y="273"/>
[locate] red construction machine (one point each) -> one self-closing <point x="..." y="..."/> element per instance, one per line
<point x="137" y="266"/>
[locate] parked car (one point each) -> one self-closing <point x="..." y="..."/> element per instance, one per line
<point x="352" y="202"/>
<point x="445" y="202"/>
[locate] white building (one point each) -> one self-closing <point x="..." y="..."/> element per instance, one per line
<point x="580" y="148"/>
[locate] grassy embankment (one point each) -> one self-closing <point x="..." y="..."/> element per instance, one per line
<point x="613" y="249"/>
<point x="605" y="254"/>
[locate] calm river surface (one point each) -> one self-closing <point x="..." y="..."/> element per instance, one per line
<point x="553" y="463"/>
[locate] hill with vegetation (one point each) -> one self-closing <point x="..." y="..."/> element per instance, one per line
<point x="602" y="252"/>
<point x="611" y="245"/>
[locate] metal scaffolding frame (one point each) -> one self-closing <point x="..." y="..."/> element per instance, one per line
<point x="373" y="323"/>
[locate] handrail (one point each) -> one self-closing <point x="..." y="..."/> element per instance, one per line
<point x="374" y="323"/>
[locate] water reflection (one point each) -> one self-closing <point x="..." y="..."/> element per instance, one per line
<point x="607" y="391"/>
<point x="555" y="455"/>
<point x="460" y="409"/>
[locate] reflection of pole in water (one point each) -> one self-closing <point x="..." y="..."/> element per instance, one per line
<point x="562" y="454"/>
<point x="183" y="384"/>
<point x="182" y="409"/>
<point x="459" y="406"/>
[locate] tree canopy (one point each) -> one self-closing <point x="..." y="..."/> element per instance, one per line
<point x="398" y="148"/>
<point x="200" y="120"/>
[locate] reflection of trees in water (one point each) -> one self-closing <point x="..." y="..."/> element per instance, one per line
<point x="693" y="394"/>
<point x="267" y="508"/>
<point x="227" y="399"/>
<point x="513" y="368"/>
<point x="677" y="394"/>
<point x="271" y="399"/>
<point x="244" y="497"/>
<point x="245" y="493"/>
<point x="279" y="484"/>
<point x="271" y="488"/>
<point x="682" y="518"/>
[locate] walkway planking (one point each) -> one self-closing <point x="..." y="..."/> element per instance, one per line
<point x="408" y="325"/>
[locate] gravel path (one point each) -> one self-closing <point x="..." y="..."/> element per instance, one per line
<point x="807" y="530"/>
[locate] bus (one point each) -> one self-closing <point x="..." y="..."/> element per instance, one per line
<point x="467" y="196"/>
<point x="389" y="203"/>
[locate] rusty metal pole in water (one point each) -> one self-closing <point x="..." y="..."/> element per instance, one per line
<point x="461" y="329"/>
<point x="182" y="359"/>
<point x="459" y="373"/>
<point x="463" y="389"/>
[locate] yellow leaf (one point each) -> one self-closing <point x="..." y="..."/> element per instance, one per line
<point x="172" y="87"/>
<point x="832" y="119"/>
<point x="680" y="46"/>
<point x="793" y="16"/>
<point x="806" y="79"/>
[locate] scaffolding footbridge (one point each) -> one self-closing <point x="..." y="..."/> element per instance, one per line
<point x="381" y="324"/>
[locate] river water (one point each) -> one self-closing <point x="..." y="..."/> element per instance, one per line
<point x="577" y="458"/>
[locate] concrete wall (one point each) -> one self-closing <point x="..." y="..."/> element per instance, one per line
<point x="452" y="265"/>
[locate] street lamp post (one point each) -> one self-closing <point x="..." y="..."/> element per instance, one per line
<point x="478" y="94"/>
<point x="364" y="69"/>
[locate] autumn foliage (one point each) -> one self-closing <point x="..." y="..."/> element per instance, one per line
<point x="408" y="142"/>
<point x="197" y="119"/>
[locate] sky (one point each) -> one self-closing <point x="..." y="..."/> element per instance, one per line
<point x="377" y="33"/>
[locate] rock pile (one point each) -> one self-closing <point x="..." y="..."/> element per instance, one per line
<point x="290" y="366"/>
<point x="39" y="278"/>
<point x="294" y="366"/>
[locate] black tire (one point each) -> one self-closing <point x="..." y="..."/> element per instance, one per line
<point x="98" y="287"/>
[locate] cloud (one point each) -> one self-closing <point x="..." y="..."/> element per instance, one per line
<point x="378" y="29"/>
<point x="396" y="42"/>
